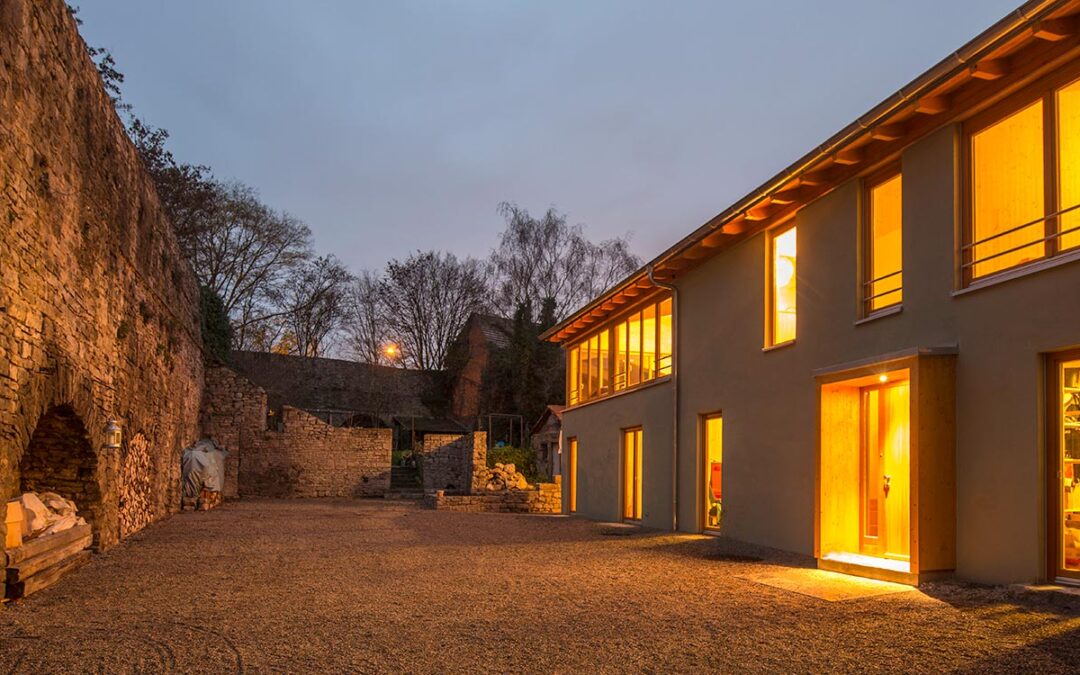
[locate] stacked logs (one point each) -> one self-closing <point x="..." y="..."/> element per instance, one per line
<point x="51" y="541"/>
<point x="136" y="487"/>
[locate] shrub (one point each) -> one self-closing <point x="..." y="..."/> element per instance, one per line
<point x="523" y="459"/>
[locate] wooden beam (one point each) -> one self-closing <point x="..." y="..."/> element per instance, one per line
<point x="716" y="239"/>
<point x="790" y="196"/>
<point x="697" y="252"/>
<point x="932" y="105"/>
<point x="887" y="132"/>
<point x="849" y="157"/>
<point x="1054" y="30"/>
<point x="992" y="69"/>
<point x="737" y="226"/>
<point x="758" y="212"/>
<point x="815" y="178"/>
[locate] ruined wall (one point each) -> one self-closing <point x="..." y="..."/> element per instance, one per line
<point x="300" y="457"/>
<point x="98" y="310"/>
<point x="310" y="458"/>
<point x="448" y="460"/>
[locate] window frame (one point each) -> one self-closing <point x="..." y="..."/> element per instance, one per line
<point x="634" y="510"/>
<point x="1045" y="90"/>
<point x="571" y="470"/>
<point x="610" y="366"/>
<point x="866" y="248"/>
<point x="770" y="284"/>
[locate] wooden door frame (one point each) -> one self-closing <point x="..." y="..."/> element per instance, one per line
<point x="629" y="467"/>
<point x="1054" y="527"/>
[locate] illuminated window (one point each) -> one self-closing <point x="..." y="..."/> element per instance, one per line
<point x="1008" y="192"/>
<point x="630" y="353"/>
<point x="663" y="360"/>
<point x="632" y="461"/>
<point x="573" y="382"/>
<point x="572" y="474"/>
<point x="1018" y="213"/>
<point x="883" y="278"/>
<point x="781" y="326"/>
<point x="713" y="438"/>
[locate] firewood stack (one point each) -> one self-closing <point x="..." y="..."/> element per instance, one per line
<point x="136" y="488"/>
<point x="46" y="540"/>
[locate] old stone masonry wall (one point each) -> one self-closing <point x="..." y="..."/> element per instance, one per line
<point x="300" y="456"/>
<point x="98" y="309"/>
<point x="450" y="461"/>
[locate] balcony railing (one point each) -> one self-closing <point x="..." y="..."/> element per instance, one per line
<point x="969" y="263"/>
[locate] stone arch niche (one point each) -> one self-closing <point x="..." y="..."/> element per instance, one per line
<point x="60" y="458"/>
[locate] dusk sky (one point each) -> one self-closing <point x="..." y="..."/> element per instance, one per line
<point x="395" y="126"/>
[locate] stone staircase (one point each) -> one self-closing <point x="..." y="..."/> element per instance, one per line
<point x="405" y="483"/>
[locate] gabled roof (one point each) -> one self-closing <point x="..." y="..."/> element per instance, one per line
<point x="555" y="411"/>
<point x="1035" y="38"/>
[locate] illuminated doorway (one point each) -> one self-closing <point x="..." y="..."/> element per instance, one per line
<point x="1064" y="446"/>
<point x="886" y="473"/>
<point x="632" y="474"/>
<point x="712" y="437"/>
<point x="886" y="470"/>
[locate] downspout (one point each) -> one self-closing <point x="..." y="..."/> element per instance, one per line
<point x="674" y="395"/>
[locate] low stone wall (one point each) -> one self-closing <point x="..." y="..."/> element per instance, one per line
<point x="449" y="461"/>
<point x="545" y="498"/>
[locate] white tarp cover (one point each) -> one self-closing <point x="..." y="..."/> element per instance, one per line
<point x="203" y="466"/>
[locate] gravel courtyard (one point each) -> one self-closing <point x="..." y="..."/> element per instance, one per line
<point x="369" y="586"/>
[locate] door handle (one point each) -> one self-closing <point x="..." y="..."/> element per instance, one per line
<point x="885" y="486"/>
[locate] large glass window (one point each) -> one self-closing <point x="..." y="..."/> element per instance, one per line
<point x="634" y="351"/>
<point x="782" y="275"/>
<point x="883" y="279"/>
<point x="1021" y="207"/>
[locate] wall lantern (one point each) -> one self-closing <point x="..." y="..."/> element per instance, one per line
<point x="112" y="435"/>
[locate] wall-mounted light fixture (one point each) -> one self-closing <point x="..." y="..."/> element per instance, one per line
<point x="113" y="435"/>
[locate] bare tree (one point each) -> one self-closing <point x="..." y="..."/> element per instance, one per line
<point x="313" y="301"/>
<point x="543" y="258"/>
<point x="427" y="298"/>
<point x="366" y="326"/>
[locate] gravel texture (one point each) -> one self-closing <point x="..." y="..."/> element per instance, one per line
<point x="373" y="586"/>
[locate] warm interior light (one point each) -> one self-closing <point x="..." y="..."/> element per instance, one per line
<point x="883" y="378"/>
<point x="785" y="270"/>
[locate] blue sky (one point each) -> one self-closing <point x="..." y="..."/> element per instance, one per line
<point x="395" y="126"/>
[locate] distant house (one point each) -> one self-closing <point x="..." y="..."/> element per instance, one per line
<point x="546" y="440"/>
<point x="469" y="359"/>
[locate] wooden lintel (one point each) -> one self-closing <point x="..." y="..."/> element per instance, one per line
<point x="849" y="157"/>
<point x="887" y="132"/>
<point x="991" y="69"/>
<point x="932" y="105"/>
<point x="1054" y="30"/>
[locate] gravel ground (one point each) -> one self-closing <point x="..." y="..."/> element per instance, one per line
<point x="339" y="585"/>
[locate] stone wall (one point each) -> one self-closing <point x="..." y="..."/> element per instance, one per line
<point x="545" y="498"/>
<point x="233" y="410"/>
<point x="300" y="457"/>
<point x="98" y="309"/>
<point x="310" y="458"/>
<point x="448" y="460"/>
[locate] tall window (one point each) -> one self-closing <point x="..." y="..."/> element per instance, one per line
<point x="713" y="439"/>
<point x="632" y="461"/>
<point x="572" y="471"/>
<point x="781" y="292"/>
<point x="1021" y="207"/>
<point x="632" y="352"/>
<point x="883" y="278"/>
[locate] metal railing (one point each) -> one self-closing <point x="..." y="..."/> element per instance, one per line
<point x="968" y="250"/>
<point x="868" y="289"/>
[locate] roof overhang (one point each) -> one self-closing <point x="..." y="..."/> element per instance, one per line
<point x="1033" y="39"/>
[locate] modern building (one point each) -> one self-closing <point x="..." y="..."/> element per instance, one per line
<point x="873" y="357"/>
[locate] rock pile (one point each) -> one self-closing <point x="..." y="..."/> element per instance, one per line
<point x="502" y="477"/>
